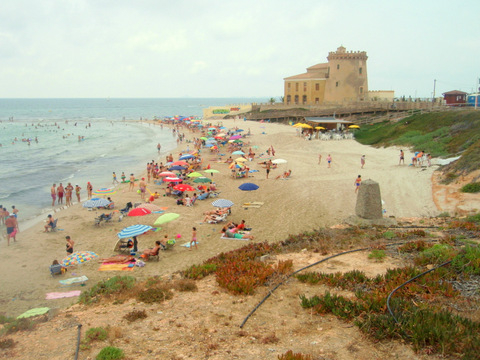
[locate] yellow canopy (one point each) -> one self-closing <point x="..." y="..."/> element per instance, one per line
<point x="319" y="128"/>
<point x="306" y="126"/>
<point x="240" y="159"/>
<point x="354" y="127"/>
<point x="298" y="125"/>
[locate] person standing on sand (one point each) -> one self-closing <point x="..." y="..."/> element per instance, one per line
<point x="12" y="228"/>
<point x="362" y="161"/>
<point x="143" y="188"/>
<point x="402" y="158"/>
<point x="194" y="238"/>
<point x="268" y="167"/>
<point x="329" y="160"/>
<point x="132" y="182"/>
<point x="60" y="192"/>
<point x="77" y="192"/>
<point x="70" y="244"/>
<point x="68" y="194"/>
<point x="358" y="182"/>
<point x="114" y="180"/>
<point x="89" y="190"/>
<point x="123" y="177"/>
<point x="53" y="193"/>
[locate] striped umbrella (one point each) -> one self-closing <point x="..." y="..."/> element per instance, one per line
<point x="133" y="230"/>
<point x="167" y="173"/>
<point x="95" y="203"/>
<point x="222" y="203"/>
<point x="104" y="191"/>
<point x="171" y="179"/>
<point x="79" y="257"/>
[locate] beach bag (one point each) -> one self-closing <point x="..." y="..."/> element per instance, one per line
<point x="139" y="263"/>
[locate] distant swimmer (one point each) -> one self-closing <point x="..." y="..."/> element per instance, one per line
<point x="159" y="147"/>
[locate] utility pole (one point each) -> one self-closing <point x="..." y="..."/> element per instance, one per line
<point x="434" y="85"/>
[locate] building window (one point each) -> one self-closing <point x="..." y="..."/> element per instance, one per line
<point x="296" y="86"/>
<point x="289" y="99"/>
<point x="359" y="71"/>
<point x="361" y="89"/>
<point x="317" y="100"/>
<point x="296" y="99"/>
<point x="304" y="87"/>
<point x="338" y="66"/>
<point x="317" y="86"/>
<point x="304" y="99"/>
<point x="336" y="84"/>
<point x="288" y="86"/>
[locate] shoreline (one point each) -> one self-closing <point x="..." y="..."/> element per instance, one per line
<point x="312" y="198"/>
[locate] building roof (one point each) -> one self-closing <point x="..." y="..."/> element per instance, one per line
<point x="306" y="76"/>
<point x="327" y="120"/>
<point x="455" y="92"/>
<point x="321" y="66"/>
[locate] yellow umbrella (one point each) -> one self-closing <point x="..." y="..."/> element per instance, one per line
<point x="319" y="128"/>
<point x="240" y="159"/>
<point x="306" y="126"/>
<point x="354" y="127"/>
<point x="298" y="125"/>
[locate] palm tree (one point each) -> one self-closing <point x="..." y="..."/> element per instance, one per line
<point x="272" y="101"/>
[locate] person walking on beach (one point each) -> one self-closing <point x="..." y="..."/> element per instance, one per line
<point x="60" y="192"/>
<point x="77" y="192"/>
<point x="362" y="161"/>
<point x="53" y="193"/>
<point x="402" y="158"/>
<point x="12" y="228"/>
<point x="114" y="181"/>
<point x="70" y="244"/>
<point x="132" y="182"/>
<point x="358" y="182"/>
<point x="329" y="160"/>
<point x="194" y="238"/>
<point x="89" y="190"/>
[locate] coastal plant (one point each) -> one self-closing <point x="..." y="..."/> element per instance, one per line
<point x="110" y="353"/>
<point x="471" y="188"/>
<point x="468" y="260"/>
<point x="437" y="254"/>
<point x="414" y="246"/>
<point x="290" y="355"/>
<point x="92" y="335"/>
<point x="157" y="294"/>
<point x="7" y="343"/>
<point x="135" y="315"/>
<point x="5" y="319"/>
<point x="389" y="234"/>
<point x="197" y="272"/>
<point x="107" y="287"/>
<point x="18" y="325"/>
<point x="242" y="277"/>
<point x="377" y="255"/>
<point x="185" y="285"/>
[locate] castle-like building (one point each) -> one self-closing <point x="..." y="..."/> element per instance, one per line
<point x="342" y="79"/>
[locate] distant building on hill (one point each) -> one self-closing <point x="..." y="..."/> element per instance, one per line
<point x="342" y="79"/>
<point x="455" y="98"/>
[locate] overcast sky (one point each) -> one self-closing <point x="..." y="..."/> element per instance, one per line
<point x="207" y="48"/>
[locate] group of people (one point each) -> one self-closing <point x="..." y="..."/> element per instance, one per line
<point x="59" y="192"/>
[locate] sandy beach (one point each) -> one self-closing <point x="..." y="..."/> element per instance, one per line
<point x="313" y="197"/>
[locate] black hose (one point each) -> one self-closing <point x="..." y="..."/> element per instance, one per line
<point x="409" y="281"/>
<point x="78" y="341"/>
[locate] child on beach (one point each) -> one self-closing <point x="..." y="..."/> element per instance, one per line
<point x="362" y="161"/>
<point x="70" y="244"/>
<point x="357" y="183"/>
<point x="194" y="238"/>
<point x="329" y="160"/>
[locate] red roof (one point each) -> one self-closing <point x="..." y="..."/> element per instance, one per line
<point x="455" y="92"/>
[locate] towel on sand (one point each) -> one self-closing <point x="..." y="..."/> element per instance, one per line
<point x="60" y="295"/>
<point x="70" y="281"/>
<point x="229" y="238"/>
<point x="187" y="245"/>
<point x="33" y="312"/>
<point x="115" y="267"/>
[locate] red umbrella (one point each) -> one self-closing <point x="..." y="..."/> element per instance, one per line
<point x="172" y="179"/>
<point x="167" y="173"/>
<point x="139" y="212"/>
<point x="183" y="187"/>
<point x="180" y="162"/>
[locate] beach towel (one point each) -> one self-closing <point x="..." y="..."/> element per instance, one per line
<point x="70" y="281"/>
<point x="229" y="238"/>
<point x="116" y="267"/>
<point x="33" y="312"/>
<point x="187" y="245"/>
<point x="60" y="295"/>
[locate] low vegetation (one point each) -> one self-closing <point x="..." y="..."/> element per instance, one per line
<point x="110" y="353"/>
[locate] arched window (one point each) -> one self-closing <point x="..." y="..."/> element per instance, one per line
<point x="304" y="99"/>
<point x="296" y="99"/>
<point x="289" y="99"/>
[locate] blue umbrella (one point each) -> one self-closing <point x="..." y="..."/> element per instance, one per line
<point x="238" y="152"/>
<point x="186" y="157"/>
<point x="176" y="167"/>
<point x="209" y="145"/>
<point x="248" y="187"/>
<point x="95" y="203"/>
<point x="222" y="203"/>
<point x="133" y="230"/>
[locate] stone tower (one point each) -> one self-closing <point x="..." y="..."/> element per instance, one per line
<point x="346" y="76"/>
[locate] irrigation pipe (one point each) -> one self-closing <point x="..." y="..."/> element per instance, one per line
<point x="409" y="281"/>
<point x="78" y="341"/>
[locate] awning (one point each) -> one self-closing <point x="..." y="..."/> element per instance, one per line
<point x="327" y="120"/>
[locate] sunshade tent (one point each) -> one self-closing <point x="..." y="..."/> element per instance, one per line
<point x="222" y="203"/>
<point x="319" y="128"/>
<point x="139" y="212"/>
<point x="298" y="125"/>
<point x="248" y="187"/>
<point x="238" y="152"/>
<point x="167" y="173"/>
<point x="172" y="179"/>
<point x="176" y="167"/>
<point x="133" y="230"/>
<point x="211" y="171"/>
<point x="165" y="218"/>
<point x="79" y="257"/>
<point x="180" y="162"/>
<point x="95" y="203"/>
<point x="240" y="159"/>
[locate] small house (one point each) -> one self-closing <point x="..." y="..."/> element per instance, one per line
<point x="455" y="98"/>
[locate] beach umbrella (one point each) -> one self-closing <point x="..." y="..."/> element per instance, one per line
<point x="165" y="218"/>
<point x="235" y="137"/>
<point x="202" y="180"/>
<point x="354" y="127"/>
<point x="139" y="212"/>
<point x="176" y="167"/>
<point x="180" y="163"/>
<point x="95" y="203"/>
<point x="298" y="125"/>
<point x="104" y="191"/>
<point x="279" y="161"/>
<point x="172" y="179"/>
<point x="194" y="174"/>
<point x="319" y="128"/>
<point x="211" y="171"/>
<point x="306" y="126"/>
<point x="79" y="257"/>
<point x="209" y="145"/>
<point x="133" y="230"/>
<point x="151" y="207"/>
<point x="238" y="152"/>
<point x="186" y="157"/>
<point x="184" y="187"/>
<point x="203" y="138"/>
<point x="222" y="203"/>
<point x="239" y="130"/>
<point x="248" y="187"/>
<point x="240" y="159"/>
<point x="212" y="128"/>
<point x="167" y="173"/>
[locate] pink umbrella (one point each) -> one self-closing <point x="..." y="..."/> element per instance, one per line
<point x="139" y="212"/>
<point x="180" y="162"/>
<point x="235" y="137"/>
<point x="172" y="179"/>
<point x="184" y="187"/>
<point x="167" y="173"/>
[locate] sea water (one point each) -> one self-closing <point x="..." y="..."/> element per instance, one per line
<point x="47" y="141"/>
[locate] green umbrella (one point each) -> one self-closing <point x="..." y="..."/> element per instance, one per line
<point x="202" y="180"/>
<point x="165" y="218"/>
<point x="211" y="171"/>
<point x="194" y="174"/>
<point x="203" y="138"/>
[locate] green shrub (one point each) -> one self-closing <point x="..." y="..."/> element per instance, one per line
<point x="437" y="254"/>
<point x="199" y="271"/>
<point x="471" y="188"/>
<point x="155" y="295"/>
<point x="377" y="255"/>
<point x="18" y="325"/>
<point x="96" y="334"/>
<point x="389" y="235"/>
<point x="110" y="353"/>
<point x="107" y="287"/>
<point x="468" y="261"/>
<point x="136" y="315"/>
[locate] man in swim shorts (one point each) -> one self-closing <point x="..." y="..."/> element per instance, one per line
<point x="12" y="227"/>
<point x="53" y="193"/>
<point x="60" y="192"/>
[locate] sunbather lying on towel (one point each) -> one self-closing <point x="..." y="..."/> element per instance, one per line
<point x="119" y="259"/>
<point x="218" y="212"/>
<point x="231" y="233"/>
